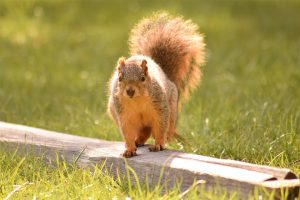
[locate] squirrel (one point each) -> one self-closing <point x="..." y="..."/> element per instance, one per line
<point x="145" y="89"/>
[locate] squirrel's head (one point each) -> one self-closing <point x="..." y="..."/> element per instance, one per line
<point x="132" y="77"/>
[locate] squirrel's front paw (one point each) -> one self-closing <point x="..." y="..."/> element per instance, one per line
<point x="129" y="154"/>
<point x="156" y="148"/>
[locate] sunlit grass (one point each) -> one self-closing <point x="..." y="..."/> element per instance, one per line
<point x="56" y="58"/>
<point x="30" y="177"/>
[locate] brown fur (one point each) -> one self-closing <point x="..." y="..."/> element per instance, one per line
<point x="143" y="101"/>
<point x="174" y="44"/>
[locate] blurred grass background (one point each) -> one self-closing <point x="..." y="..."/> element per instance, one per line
<point x="56" y="58"/>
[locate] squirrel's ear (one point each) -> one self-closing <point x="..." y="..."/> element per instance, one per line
<point x="121" y="63"/>
<point x="144" y="66"/>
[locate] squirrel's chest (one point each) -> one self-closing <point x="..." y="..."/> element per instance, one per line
<point x="138" y="110"/>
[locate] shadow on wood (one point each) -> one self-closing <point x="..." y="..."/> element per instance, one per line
<point x="177" y="166"/>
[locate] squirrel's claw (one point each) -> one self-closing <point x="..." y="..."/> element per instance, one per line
<point x="155" y="148"/>
<point x="129" y="154"/>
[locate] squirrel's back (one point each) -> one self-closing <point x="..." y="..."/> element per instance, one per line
<point x="174" y="44"/>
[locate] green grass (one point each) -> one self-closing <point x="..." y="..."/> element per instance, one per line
<point x="56" y="58"/>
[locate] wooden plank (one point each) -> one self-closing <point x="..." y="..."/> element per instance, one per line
<point x="176" y="166"/>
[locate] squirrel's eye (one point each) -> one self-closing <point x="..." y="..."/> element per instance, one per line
<point x="120" y="78"/>
<point x="143" y="79"/>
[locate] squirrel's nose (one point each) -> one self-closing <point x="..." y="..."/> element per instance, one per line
<point x="130" y="92"/>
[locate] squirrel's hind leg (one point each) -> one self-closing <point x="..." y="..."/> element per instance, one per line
<point x="173" y="103"/>
<point x="143" y="136"/>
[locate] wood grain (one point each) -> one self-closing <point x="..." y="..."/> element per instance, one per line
<point x="176" y="166"/>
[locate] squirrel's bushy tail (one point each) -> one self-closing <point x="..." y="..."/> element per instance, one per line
<point x="174" y="44"/>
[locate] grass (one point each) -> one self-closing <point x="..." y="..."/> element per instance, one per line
<point x="57" y="56"/>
